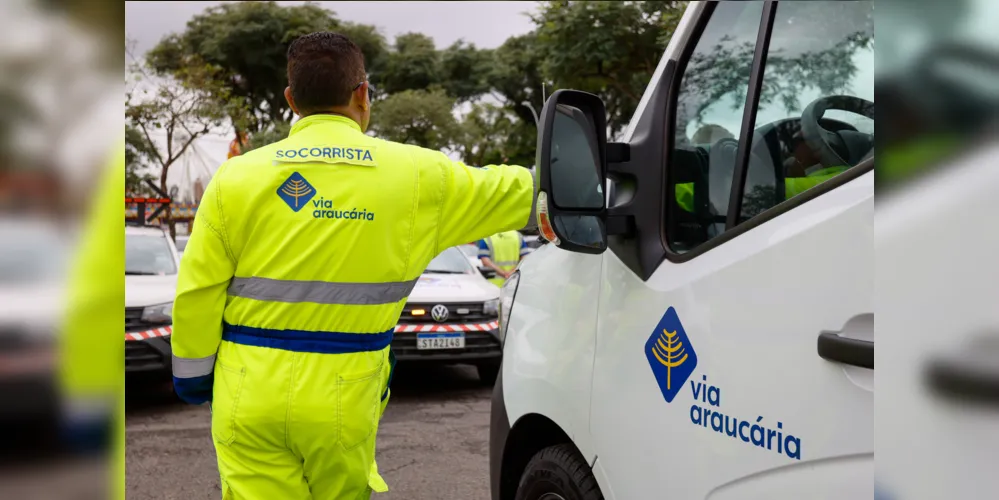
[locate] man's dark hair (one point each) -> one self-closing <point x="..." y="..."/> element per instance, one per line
<point x="323" y="69"/>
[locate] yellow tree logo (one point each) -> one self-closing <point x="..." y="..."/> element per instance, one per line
<point x="296" y="191"/>
<point x="669" y="350"/>
<point x="670" y="355"/>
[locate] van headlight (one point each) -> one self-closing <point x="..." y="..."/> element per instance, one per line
<point x="507" y="293"/>
<point x="160" y="313"/>
<point x="490" y="307"/>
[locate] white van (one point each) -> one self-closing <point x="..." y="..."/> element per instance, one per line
<point x="703" y="328"/>
<point x="151" y="267"/>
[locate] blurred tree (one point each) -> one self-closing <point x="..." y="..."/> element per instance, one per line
<point x="270" y="135"/>
<point x="373" y="45"/>
<point x="516" y="76"/>
<point x="492" y="134"/>
<point x="465" y="70"/>
<point x="193" y="103"/>
<point x="608" y="48"/>
<point x="420" y="117"/>
<point x="414" y="64"/>
<point x="138" y="153"/>
<point x="249" y="41"/>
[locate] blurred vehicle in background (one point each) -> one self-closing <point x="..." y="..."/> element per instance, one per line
<point x="34" y="257"/>
<point x="181" y="243"/>
<point x="471" y="252"/>
<point x="151" y="264"/>
<point x="450" y="317"/>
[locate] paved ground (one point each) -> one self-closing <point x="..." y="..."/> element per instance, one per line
<point x="433" y="442"/>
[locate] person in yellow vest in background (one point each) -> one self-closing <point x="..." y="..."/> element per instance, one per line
<point x="302" y="256"/>
<point x="502" y="252"/>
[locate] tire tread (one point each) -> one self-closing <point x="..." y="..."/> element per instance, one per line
<point x="566" y="457"/>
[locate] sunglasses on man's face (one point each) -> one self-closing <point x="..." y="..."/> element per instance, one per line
<point x="371" y="90"/>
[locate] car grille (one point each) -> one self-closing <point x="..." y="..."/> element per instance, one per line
<point x="475" y="343"/>
<point x="474" y="314"/>
<point x="134" y="323"/>
<point x="141" y="355"/>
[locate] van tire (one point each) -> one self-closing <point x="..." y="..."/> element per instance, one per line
<point x="561" y="470"/>
<point x="488" y="372"/>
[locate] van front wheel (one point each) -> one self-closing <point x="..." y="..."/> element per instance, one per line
<point x="558" y="473"/>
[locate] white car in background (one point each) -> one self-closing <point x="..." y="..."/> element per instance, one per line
<point x="34" y="262"/>
<point x="451" y="317"/>
<point x="151" y="264"/>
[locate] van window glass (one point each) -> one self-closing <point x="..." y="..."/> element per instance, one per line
<point x="709" y="111"/>
<point x="148" y="255"/>
<point x="815" y="116"/>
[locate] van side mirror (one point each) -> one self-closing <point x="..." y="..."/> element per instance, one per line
<point x="572" y="172"/>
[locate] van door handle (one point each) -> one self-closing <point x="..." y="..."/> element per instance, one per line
<point x="970" y="374"/>
<point x="845" y="350"/>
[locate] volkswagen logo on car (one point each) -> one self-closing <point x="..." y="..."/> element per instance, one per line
<point x="439" y="313"/>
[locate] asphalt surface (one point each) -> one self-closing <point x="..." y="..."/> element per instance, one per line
<point x="433" y="441"/>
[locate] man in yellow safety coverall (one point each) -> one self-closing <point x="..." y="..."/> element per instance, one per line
<point x="502" y="252"/>
<point x="295" y="275"/>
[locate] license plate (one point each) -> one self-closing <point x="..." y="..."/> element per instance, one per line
<point x="440" y="340"/>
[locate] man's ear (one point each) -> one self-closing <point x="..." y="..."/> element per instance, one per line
<point x="361" y="96"/>
<point x="291" y="100"/>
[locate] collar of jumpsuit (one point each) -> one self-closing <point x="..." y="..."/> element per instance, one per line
<point x="307" y="121"/>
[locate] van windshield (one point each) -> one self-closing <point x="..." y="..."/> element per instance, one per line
<point x="148" y="255"/>
<point x="450" y="261"/>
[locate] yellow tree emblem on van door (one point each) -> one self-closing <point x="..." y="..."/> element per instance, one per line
<point x="296" y="189"/>
<point x="670" y="352"/>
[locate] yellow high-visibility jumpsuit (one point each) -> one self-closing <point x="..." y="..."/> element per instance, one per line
<point x="91" y="370"/>
<point x="505" y="250"/>
<point x="296" y="272"/>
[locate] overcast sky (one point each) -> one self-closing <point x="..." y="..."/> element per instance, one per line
<point x="485" y="24"/>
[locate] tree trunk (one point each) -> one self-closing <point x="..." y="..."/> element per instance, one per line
<point x="167" y="216"/>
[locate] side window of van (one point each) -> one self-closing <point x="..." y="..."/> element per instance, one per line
<point x="814" y="113"/>
<point x="709" y="108"/>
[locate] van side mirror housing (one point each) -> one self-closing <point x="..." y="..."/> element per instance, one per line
<point x="572" y="172"/>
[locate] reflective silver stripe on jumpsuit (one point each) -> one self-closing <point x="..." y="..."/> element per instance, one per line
<point x="321" y="292"/>
<point x="193" y="367"/>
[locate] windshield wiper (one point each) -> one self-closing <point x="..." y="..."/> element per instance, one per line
<point x="441" y="271"/>
<point x="140" y="273"/>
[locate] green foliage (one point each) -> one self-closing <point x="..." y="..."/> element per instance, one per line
<point x="248" y="43"/>
<point x="373" y="45"/>
<point x="138" y="159"/>
<point x="492" y="134"/>
<point x="270" y="135"/>
<point x="420" y="117"/>
<point x="415" y="64"/>
<point x="608" y="48"/>
<point x="465" y="70"/>
<point x="516" y="75"/>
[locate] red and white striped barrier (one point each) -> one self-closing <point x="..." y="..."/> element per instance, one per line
<point x="148" y="334"/>
<point x="477" y="327"/>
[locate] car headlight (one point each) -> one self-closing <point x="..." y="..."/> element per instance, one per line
<point x="491" y="307"/>
<point x="160" y="313"/>
<point x="507" y="293"/>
